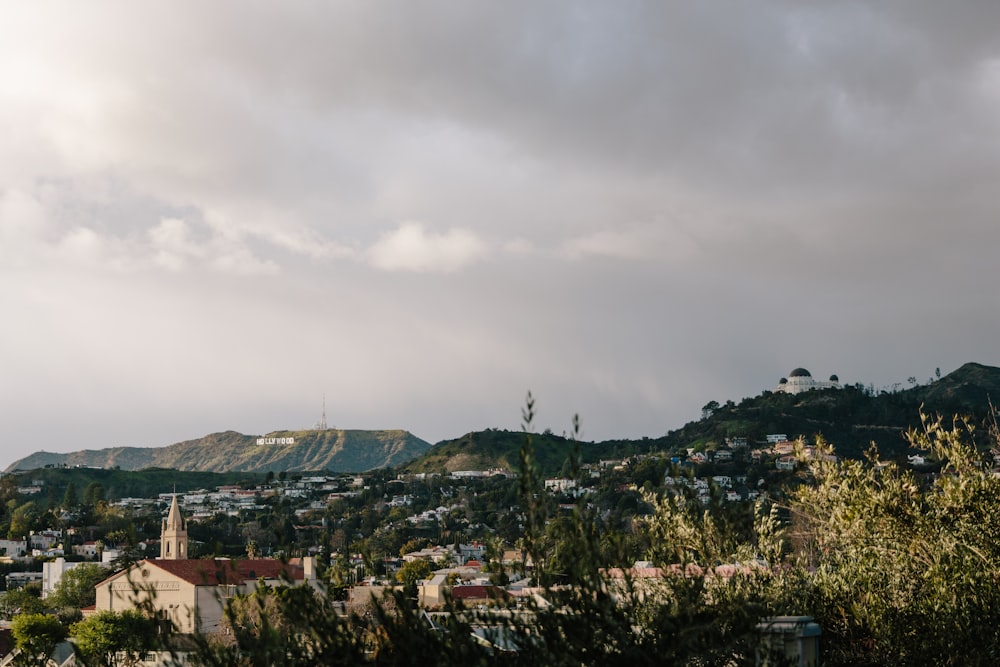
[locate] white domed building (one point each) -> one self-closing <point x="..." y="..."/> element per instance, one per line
<point x="800" y="380"/>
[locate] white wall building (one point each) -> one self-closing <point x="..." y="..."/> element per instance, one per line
<point x="800" y="380"/>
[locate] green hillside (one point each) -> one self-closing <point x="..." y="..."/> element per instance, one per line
<point x="493" y="448"/>
<point x="851" y="418"/>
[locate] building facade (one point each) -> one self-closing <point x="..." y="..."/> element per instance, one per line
<point x="192" y="593"/>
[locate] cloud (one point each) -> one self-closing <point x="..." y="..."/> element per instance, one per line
<point x="172" y="246"/>
<point x="649" y="204"/>
<point x="635" y="242"/>
<point x="412" y="248"/>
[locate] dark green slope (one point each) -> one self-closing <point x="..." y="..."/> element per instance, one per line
<point x="146" y="483"/>
<point x="493" y="448"/>
<point x="851" y="418"/>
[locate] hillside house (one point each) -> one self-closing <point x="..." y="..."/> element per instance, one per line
<point x="560" y="485"/>
<point x="785" y="463"/>
<point x="13" y="548"/>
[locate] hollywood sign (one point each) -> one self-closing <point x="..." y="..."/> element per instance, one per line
<point x="275" y="441"/>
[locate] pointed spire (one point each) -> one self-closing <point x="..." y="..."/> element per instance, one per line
<point x="173" y="536"/>
<point x="174" y="521"/>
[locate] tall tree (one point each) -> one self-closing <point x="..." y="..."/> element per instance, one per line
<point x="76" y="586"/>
<point x="110" y="639"/>
<point x="71" y="499"/>
<point x="35" y="636"/>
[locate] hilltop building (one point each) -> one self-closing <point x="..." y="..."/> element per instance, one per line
<point x="193" y="592"/>
<point x="800" y="380"/>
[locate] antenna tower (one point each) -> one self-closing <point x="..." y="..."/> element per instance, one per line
<point x="322" y="420"/>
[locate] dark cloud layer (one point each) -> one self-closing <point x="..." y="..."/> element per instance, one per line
<point x="213" y="215"/>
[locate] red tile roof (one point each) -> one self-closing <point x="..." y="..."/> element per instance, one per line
<point x="477" y="592"/>
<point x="211" y="572"/>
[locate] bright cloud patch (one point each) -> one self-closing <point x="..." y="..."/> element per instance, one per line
<point x="413" y="248"/>
<point x="644" y="242"/>
<point x="173" y="247"/>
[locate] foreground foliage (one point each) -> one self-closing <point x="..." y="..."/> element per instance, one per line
<point x="907" y="571"/>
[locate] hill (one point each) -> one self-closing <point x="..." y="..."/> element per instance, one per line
<point x="335" y="450"/>
<point x="495" y="448"/>
<point x="852" y="418"/>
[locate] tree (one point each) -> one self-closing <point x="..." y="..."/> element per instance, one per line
<point x="415" y="544"/>
<point x="20" y="601"/>
<point x="110" y="639"/>
<point x="71" y="499"/>
<point x="76" y="586"/>
<point x="252" y="549"/>
<point x="287" y="626"/>
<point x="93" y="494"/>
<point x="905" y="568"/>
<point x="23" y="519"/>
<point x="35" y="636"/>
<point x="413" y="571"/>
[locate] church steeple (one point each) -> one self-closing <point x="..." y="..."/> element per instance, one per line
<point x="173" y="535"/>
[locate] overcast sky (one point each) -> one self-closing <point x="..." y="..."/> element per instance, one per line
<point x="212" y="215"/>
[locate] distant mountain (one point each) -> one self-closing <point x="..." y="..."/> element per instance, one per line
<point x="333" y="449"/>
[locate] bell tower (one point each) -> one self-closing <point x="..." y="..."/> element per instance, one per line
<point x="173" y="535"/>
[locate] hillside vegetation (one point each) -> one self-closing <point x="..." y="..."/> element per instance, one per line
<point x="853" y="417"/>
<point x="493" y="448"/>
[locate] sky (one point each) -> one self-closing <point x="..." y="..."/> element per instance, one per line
<point x="217" y="216"/>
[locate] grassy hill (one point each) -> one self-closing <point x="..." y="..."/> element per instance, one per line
<point x="335" y="450"/>
<point x="493" y="448"/>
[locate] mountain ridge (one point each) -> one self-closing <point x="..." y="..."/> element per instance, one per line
<point x="851" y="418"/>
<point x="336" y="450"/>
